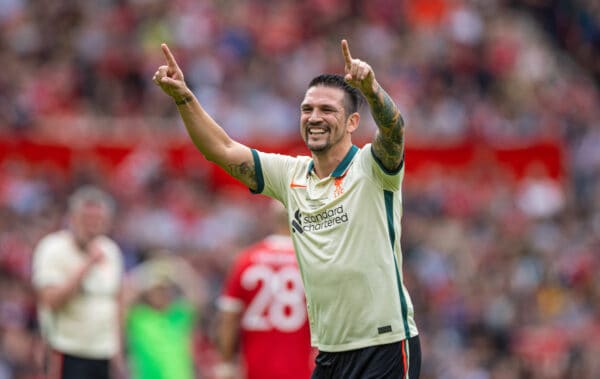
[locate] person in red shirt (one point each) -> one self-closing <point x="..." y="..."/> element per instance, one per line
<point x="263" y="307"/>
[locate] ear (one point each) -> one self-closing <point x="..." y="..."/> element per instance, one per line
<point x="352" y="122"/>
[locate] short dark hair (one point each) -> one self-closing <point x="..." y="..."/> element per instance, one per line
<point x="353" y="98"/>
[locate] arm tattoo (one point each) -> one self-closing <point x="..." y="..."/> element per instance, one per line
<point x="244" y="172"/>
<point x="388" y="145"/>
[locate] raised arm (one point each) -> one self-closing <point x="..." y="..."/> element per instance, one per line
<point x="184" y="276"/>
<point x="212" y="141"/>
<point x="388" y="144"/>
<point x="165" y="269"/>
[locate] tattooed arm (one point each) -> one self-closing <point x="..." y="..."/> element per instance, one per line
<point x="212" y="141"/>
<point x="388" y="145"/>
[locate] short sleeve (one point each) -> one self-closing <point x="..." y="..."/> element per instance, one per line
<point x="388" y="180"/>
<point x="273" y="173"/>
<point x="46" y="264"/>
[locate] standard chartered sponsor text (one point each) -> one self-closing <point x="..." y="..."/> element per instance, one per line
<point x="325" y="219"/>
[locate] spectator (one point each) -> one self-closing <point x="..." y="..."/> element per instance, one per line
<point x="77" y="274"/>
<point x="160" y="322"/>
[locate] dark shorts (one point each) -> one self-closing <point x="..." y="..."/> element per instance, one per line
<point x="395" y="360"/>
<point x="65" y="366"/>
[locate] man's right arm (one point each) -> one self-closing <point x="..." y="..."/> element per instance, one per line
<point x="54" y="296"/>
<point x="227" y="338"/>
<point x="212" y="141"/>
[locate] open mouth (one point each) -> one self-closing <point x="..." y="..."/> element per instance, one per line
<point x="316" y="131"/>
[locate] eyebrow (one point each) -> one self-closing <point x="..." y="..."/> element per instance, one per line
<point x="325" y="106"/>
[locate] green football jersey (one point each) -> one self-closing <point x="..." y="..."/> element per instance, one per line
<point x="159" y="342"/>
<point x="346" y="232"/>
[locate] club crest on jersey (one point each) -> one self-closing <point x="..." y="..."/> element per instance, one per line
<point x="339" y="190"/>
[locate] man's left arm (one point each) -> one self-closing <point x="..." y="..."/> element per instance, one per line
<point x="388" y="145"/>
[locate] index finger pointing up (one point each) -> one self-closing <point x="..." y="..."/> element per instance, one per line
<point x="170" y="58"/>
<point x="346" y="52"/>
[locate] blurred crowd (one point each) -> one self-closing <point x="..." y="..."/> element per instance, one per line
<point x="575" y="25"/>
<point x="503" y="271"/>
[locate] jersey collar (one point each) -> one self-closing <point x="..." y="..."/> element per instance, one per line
<point x="342" y="167"/>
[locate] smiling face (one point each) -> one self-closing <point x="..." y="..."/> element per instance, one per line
<point x="324" y="123"/>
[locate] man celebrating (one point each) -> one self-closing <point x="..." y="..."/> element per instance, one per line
<point x="344" y="206"/>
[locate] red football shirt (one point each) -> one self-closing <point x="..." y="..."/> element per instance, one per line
<point x="265" y="285"/>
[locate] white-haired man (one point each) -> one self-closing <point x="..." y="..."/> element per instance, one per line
<point x="77" y="274"/>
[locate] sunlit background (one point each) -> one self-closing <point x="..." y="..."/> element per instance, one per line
<point x="501" y="224"/>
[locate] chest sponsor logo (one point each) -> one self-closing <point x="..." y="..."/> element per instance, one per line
<point x="319" y="221"/>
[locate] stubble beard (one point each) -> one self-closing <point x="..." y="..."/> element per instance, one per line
<point x="321" y="146"/>
<point x="318" y="148"/>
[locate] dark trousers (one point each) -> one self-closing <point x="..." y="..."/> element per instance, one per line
<point x="391" y="361"/>
<point x="65" y="366"/>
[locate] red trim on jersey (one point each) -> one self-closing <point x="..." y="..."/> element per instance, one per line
<point x="55" y="364"/>
<point x="404" y="361"/>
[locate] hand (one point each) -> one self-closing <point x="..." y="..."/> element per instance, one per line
<point x="95" y="254"/>
<point x="358" y="74"/>
<point x="119" y="366"/>
<point x="225" y="370"/>
<point x="169" y="77"/>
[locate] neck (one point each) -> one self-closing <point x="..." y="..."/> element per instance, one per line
<point x="326" y="161"/>
<point x="80" y="241"/>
